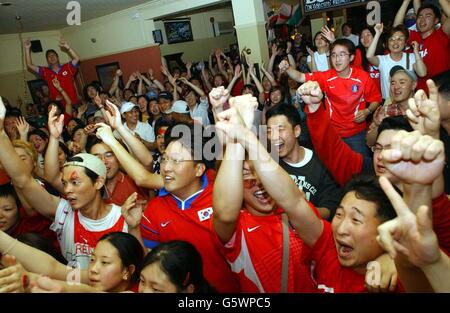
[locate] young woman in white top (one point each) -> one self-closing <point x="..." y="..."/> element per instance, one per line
<point x="395" y="43"/>
<point x="318" y="61"/>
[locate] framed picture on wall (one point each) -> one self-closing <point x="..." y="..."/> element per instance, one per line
<point x="106" y="73"/>
<point x="36" y="87"/>
<point x="157" y="36"/>
<point x="178" y="31"/>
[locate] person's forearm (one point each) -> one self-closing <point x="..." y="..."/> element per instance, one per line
<point x="206" y="82"/>
<point x="231" y="84"/>
<point x="284" y="191"/>
<point x="175" y="92"/>
<point x="445" y="6"/>
<point x="211" y="68"/>
<point x="416" y="195"/>
<point x="51" y="171"/>
<point x="296" y="75"/>
<point x="28" y="61"/>
<point x="138" y="149"/>
<point x="32" y="259"/>
<point x="74" y="55"/>
<point x="200" y="92"/>
<point x="399" y="17"/>
<point x="269" y="77"/>
<point x="114" y="85"/>
<point x="135" y="169"/>
<point x="127" y="86"/>
<point x="373" y="106"/>
<point x="419" y="67"/>
<point x="257" y="83"/>
<point x="438" y="273"/>
<point x="370" y="54"/>
<point x="136" y="232"/>
<point x="291" y="60"/>
<point x="313" y="67"/>
<point x="228" y="187"/>
<point x="67" y="100"/>
<point x="140" y="88"/>
<point x="270" y="65"/>
<point x="418" y="3"/>
<point x="371" y="136"/>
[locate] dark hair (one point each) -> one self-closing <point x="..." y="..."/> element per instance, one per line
<point x="163" y="123"/>
<point x="125" y="90"/>
<point x="13" y="113"/>
<point x="42" y="243"/>
<point x="286" y="110"/>
<point x="192" y="137"/>
<point x="103" y="92"/>
<point x="91" y="142"/>
<point x="399" y="28"/>
<point x="182" y="264"/>
<point x="346" y="43"/>
<point x="39" y="133"/>
<point x="129" y="248"/>
<point x="367" y="187"/>
<point x="434" y="8"/>
<point x="78" y="121"/>
<point x="7" y="190"/>
<point x="253" y="88"/>
<point x="56" y="103"/>
<point x="399" y="122"/>
<point x="50" y="51"/>
<point x="346" y="24"/>
<point x="282" y="91"/>
<point x="64" y="148"/>
<point x="75" y="130"/>
<point x="442" y="81"/>
<point x="85" y="90"/>
<point x="378" y="51"/>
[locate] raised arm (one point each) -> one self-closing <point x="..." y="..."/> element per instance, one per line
<point x="419" y="66"/>
<point x="154" y="80"/>
<point x="445" y="6"/>
<point x="52" y="172"/>
<point x="67" y="100"/>
<point x="205" y="79"/>
<point x="199" y="91"/>
<point x="237" y="75"/>
<point x="34" y="193"/>
<point x="290" y="57"/>
<point x="30" y="65"/>
<point x="115" y="83"/>
<point x="251" y="72"/>
<point x="269" y="76"/>
<point x="73" y="54"/>
<point x="370" y="54"/>
<point x="138" y="149"/>
<point x="275" y="180"/>
<point x="293" y="73"/>
<point x="35" y="260"/>
<point x="312" y="65"/>
<point x="228" y="192"/>
<point x="134" y="168"/>
<point x="274" y="54"/>
<point x="400" y="16"/>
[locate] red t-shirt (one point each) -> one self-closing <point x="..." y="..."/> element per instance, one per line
<point x="4" y="178"/>
<point x="65" y="75"/>
<point x="331" y="276"/>
<point x="255" y="255"/>
<point x="168" y="218"/>
<point x="435" y="51"/>
<point x="345" y="97"/>
<point x="373" y="71"/>
<point x="125" y="186"/>
<point x="35" y="223"/>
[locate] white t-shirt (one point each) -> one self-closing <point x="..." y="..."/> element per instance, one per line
<point x="67" y="229"/>
<point x="386" y="63"/>
<point x="144" y="130"/>
<point x="200" y="112"/>
<point x="321" y="61"/>
<point x="353" y="38"/>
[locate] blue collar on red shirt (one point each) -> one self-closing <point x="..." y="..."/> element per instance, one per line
<point x="186" y="204"/>
<point x="59" y="68"/>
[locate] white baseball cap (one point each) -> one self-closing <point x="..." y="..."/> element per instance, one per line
<point x="127" y="107"/>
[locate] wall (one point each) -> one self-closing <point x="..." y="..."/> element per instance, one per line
<point x="12" y="82"/>
<point x="137" y="59"/>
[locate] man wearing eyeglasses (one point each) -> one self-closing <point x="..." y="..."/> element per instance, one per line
<point x="347" y="91"/>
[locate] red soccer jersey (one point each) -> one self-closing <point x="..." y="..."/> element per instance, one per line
<point x="255" y="255"/>
<point x="345" y="97"/>
<point x="65" y="75"/>
<point x="373" y="71"/>
<point x="124" y="188"/>
<point x="168" y="218"/>
<point x="435" y="52"/>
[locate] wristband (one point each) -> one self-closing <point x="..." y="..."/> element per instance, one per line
<point x="25" y="281"/>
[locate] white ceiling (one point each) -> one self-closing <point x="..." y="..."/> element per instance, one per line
<point x="41" y="15"/>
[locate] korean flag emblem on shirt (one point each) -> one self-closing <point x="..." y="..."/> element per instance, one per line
<point x="205" y="214"/>
<point x="355" y="88"/>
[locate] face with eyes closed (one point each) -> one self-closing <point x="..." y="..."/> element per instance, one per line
<point x="79" y="189"/>
<point x="354" y="231"/>
<point x="256" y="199"/>
<point x="154" y="280"/>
